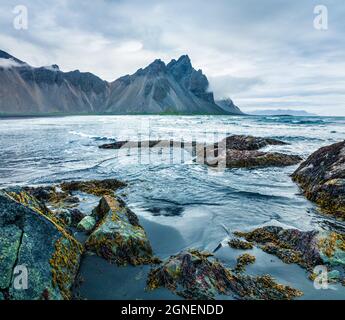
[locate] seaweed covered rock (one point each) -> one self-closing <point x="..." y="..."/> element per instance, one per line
<point x="94" y="187"/>
<point x="30" y="236"/>
<point x="196" y="275"/>
<point x="118" y="237"/>
<point x="239" y="244"/>
<point x="243" y="142"/>
<point x="322" y="177"/>
<point x="243" y="261"/>
<point x="232" y="158"/>
<point x="306" y="248"/>
<point x="52" y="196"/>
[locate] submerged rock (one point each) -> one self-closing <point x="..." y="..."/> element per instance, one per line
<point x="32" y="237"/>
<point x="306" y="248"/>
<point x="118" y="237"/>
<point x="137" y="144"/>
<point x="322" y="177"/>
<point x="196" y="275"/>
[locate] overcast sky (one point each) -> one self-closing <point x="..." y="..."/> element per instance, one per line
<point x="263" y="54"/>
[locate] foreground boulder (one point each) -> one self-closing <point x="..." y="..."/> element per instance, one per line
<point x="196" y="275"/>
<point x="306" y="248"/>
<point x="118" y="237"/>
<point x="30" y="236"/>
<point x="322" y="178"/>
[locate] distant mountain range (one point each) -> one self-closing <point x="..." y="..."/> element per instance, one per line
<point x="281" y="112"/>
<point x="175" y="88"/>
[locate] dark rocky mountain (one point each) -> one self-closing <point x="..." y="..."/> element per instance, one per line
<point x="228" y="106"/>
<point x="159" y="88"/>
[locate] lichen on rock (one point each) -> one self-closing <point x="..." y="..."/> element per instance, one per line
<point x="48" y="251"/>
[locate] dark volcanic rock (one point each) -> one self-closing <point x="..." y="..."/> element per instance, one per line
<point x="306" y="248"/>
<point x="196" y="275"/>
<point x="322" y="177"/>
<point x="118" y="237"/>
<point x="31" y="237"/>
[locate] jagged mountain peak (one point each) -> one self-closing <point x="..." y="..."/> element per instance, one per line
<point x="175" y="87"/>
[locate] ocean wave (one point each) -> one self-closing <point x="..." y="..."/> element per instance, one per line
<point x="93" y="137"/>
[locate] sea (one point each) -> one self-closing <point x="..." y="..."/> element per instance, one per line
<point x="181" y="204"/>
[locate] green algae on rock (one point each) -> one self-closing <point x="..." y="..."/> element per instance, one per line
<point x="306" y="248"/>
<point x="196" y="275"/>
<point x="118" y="236"/>
<point x="50" y="254"/>
<point x="322" y="178"/>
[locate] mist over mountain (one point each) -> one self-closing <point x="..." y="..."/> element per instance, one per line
<point x="159" y="88"/>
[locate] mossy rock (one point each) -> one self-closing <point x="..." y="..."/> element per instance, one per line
<point x="118" y="237"/>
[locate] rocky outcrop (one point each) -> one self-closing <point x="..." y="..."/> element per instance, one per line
<point x="30" y="236"/>
<point x="118" y="237"/>
<point x="245" y="159"/>
<point x="244" y="142"/>
<point x="196" y="275"/>
<point x="306" y="248"/>
<point x="237" y="151"/>
<point x="159" y="88"/>
<point x="322" y="178"/>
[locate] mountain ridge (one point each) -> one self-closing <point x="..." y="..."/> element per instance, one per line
<point x="175" y="87"/>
